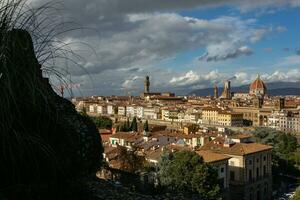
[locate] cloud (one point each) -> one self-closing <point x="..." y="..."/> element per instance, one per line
<point x="196" y="79"/>
<point x="242" y="78"/>
<point x="292" y="75"/>
<point x="131" y="83"/>
<point x="215" y="54"/>
<point x="155" y="37"/>
<point x="187" y="79"/>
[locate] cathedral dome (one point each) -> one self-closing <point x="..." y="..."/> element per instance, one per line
<point x="258" y="84"/>
<point x="258" y="87"/>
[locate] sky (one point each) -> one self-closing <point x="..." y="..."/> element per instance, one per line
<point x="182" y="45"/>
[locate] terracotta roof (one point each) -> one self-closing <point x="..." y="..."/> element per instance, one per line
<point x="239" y="149"/>
<point x="240" y="136"/>
<point x="154" y="154"/>
<point x="209" y="156"/>
<point x="176" y="147"/>
<point x="258" y="84"/>
<point x="128" y="136"/>
<point x="190" y="136"/>
<point x="105" y="137"/>
<point x="211" y="109"/>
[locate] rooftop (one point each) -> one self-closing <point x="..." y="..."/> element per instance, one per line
<point x="238" y="149"/>
<point x="210" y="156"/>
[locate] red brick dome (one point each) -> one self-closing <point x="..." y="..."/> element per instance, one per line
<point x="258" y="84"/>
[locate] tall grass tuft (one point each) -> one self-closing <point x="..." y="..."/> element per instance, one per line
<point x="30" y="45"/>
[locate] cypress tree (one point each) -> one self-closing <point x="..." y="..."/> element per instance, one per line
<point x="134" y="125"/>
<point x="146" y="126"/>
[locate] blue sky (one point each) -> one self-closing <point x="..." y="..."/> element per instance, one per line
<point x="267" y="53"/>
<point x="182" y="45"/>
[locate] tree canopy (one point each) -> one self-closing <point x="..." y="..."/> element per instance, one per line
<point x="130" y="160"/>
<point x="185" y="171"/>
<point x="285" y="155"/>
<point x="102" y="122"/>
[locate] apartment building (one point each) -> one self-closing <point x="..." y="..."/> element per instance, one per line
<point x="151" y="113"/>
<point x="230" y="118"/>
<point x="215" y="116"/>
<point x="250" y="170"/>
<point x="122" y="110"/>
<point x="290" y="122"/>
<point x="210" y="116"/>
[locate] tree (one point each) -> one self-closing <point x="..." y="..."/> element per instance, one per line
<point x="285" y="144"/>
<point x="128" y="124"/>
<point x="134" y="126"/>
<point x="102" y="122"/>
<point x="146" y="126"/>
<point x="130" y="160"/>
<point x="284" y="154"/>
<point x="265" y="135"/>
<point x="185" y="171"/>
<point x="84" y="112"/>
<point x="124" y="127"/>
<point x="297" y="157"/>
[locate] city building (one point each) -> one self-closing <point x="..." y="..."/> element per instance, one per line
<point x="250" y="167"/>
<point x="289" y="122"/>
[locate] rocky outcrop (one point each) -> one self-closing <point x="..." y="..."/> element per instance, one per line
<point x="46" y="146"/>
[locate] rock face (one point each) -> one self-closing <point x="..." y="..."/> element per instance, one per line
<point x="46" y="147"/>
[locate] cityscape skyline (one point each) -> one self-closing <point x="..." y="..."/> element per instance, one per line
<point x="150" y="99"/>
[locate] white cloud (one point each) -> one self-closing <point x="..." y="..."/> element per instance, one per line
<point x="292" y="75"/>
<point x="131" y="83"/>
<point x="155" y="37"/>
<point x="187" y="79"/>
<point x="242" y="78"/>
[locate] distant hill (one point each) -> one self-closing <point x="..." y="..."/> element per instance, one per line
<point x="274" y="89"/>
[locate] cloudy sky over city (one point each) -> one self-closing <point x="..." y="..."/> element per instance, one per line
<point x="181" y="44"/>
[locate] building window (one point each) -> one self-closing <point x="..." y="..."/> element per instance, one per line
<point x="264" y="158"/>
<point x="250" y="175"/>
<point x="222" y="169"/>
<point x="232" y="175"/>
<point x="265" y="169"/>
<point x="250" y="162"/>
<point x="257" y="159"/>
<point x="266" y="188"/>
<point x="257" y="172"/>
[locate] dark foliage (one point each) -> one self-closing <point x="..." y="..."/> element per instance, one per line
<point x="146" y="126"/>
<point x="102" y="122"/>
<point x="129" y="160"/>
<point x="186" y="172"/>
<point x="46" y="146"/>
<point x="134" y="126"/>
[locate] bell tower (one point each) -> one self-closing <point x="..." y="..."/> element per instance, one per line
<point x="147" y="85"/>
<point x="216" y="92"/>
